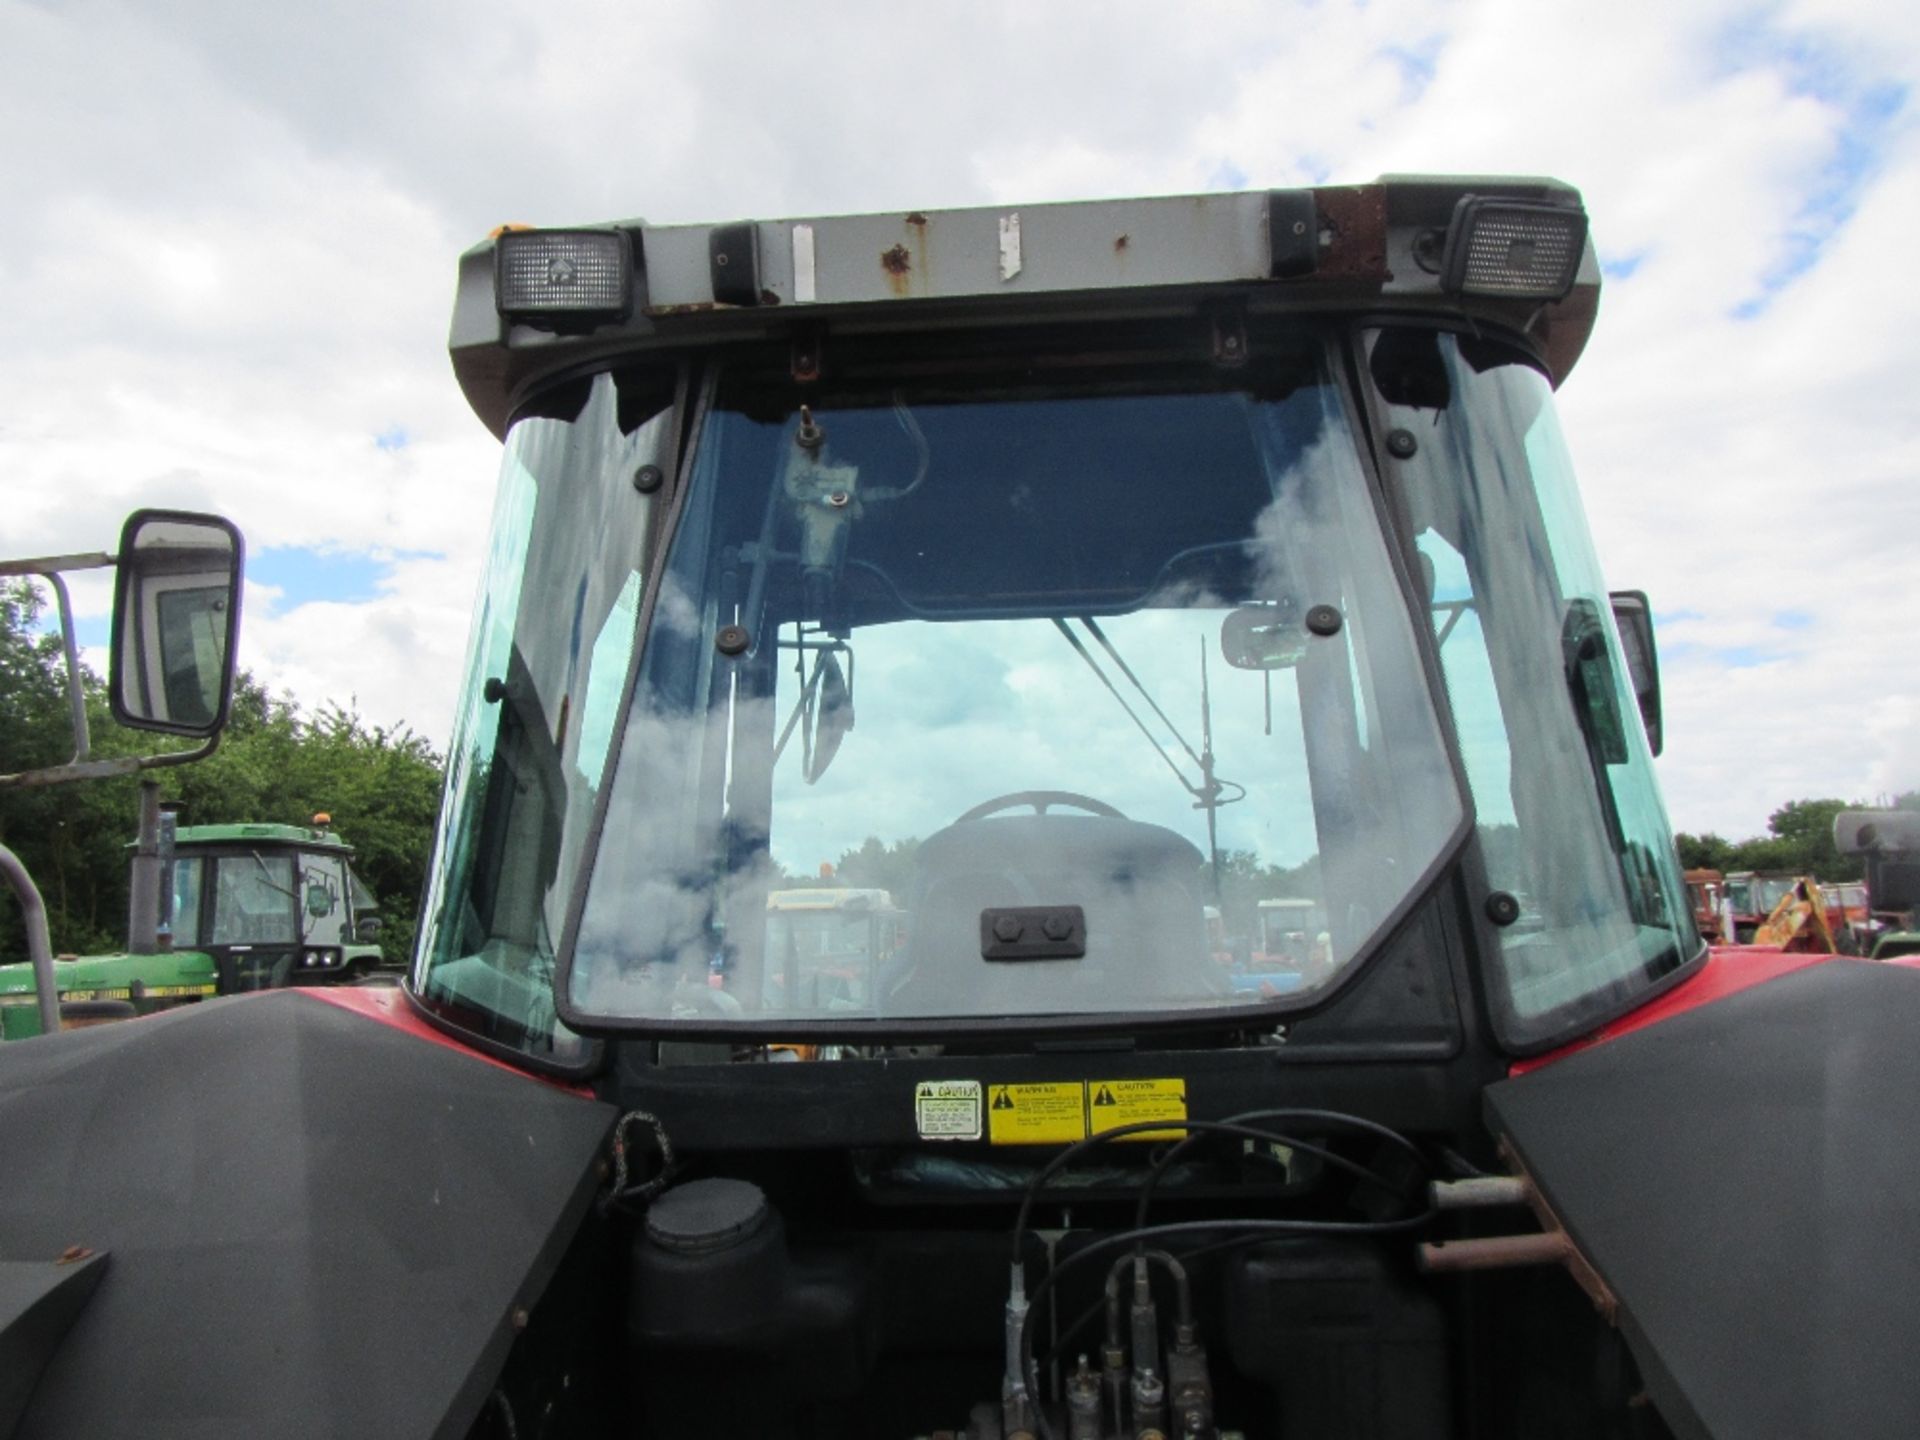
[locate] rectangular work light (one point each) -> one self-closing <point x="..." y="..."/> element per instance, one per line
<point x="562" y="274"/>
<point x="1512" y="249"/>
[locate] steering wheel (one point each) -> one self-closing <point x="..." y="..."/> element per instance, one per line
<point x="1041" y="801"/>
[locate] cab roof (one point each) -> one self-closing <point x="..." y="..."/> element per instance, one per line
<point x="258" y="835"/>
<point x="524" y="316"/>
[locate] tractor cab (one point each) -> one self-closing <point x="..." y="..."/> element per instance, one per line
<point x="240" y="908"/>
<point x="826" y="947"/>
<point x="1125" y="577"/>
<point x="272" y="904"/>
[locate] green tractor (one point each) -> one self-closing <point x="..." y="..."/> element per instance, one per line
<point x="245" y="907"/>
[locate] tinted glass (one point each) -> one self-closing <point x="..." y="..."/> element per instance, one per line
<point x="1011" y="645"/>
<point x="1570" y="819"/>
<point x="254" y="900"/>
<point x="553" y="632"/>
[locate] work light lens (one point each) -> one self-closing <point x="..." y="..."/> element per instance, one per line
<point x="561" y="272"/>
<point x="1513" y="249"/>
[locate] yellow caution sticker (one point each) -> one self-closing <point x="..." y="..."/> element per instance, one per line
<point x="1049" y="1114"/>
<point x="1113" y="1103"/>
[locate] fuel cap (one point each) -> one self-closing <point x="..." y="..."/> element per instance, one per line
<point x="703" y="1216"/>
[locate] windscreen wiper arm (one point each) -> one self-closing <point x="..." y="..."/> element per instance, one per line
<point x="1207" y="794"/>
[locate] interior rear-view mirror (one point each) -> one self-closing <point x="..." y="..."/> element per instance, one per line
<point x="176" y="619"/>
<point x="1263" y="637"/>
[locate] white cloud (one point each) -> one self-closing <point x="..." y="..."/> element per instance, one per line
<point x="231" y="233"/>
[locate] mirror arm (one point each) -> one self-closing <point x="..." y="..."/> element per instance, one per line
<point x="48" y="568"/>
<point x="46" y="565"/>
<point x="107" y="769"/>
<point x="76" y="697"/>
<point x="39" y="947"/>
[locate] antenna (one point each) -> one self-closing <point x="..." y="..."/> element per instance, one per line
<point x="1209" y="791"/>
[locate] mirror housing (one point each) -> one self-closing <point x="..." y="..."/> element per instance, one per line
<point x="1633" y="616"/>
<point x="176" y="622"/>
<point x="1263" y="637"/>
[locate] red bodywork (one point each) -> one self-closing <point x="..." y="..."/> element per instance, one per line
<point x="1729" y="970"/>
<point x="386" y="1004"/>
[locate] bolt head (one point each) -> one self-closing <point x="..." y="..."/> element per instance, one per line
<point x="1401" y="444"/>
<point x="1323" y="620"/>
<point x="1502" y="908"/>
<point x="1058" y="927"/>
<point x="1007" y="928"/>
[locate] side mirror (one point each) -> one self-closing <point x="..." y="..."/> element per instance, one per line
<point x="1634" y="618"/>
<point x="1590" y="679"/>
<point x="366" y="929"/>
<point x="176" y="621"/>
<point x="319" y="901"/>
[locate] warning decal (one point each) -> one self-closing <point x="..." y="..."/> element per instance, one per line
<point x="1049" y="1114"/>
<point x="1112" y="1103"/>
<point x="947" y="1109"/>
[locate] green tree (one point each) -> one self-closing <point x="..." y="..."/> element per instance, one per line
<point x="1799" y="842"/>
<point x="1807" y="825"/>
<point x="874" y="864"/>
<point x="1704" y="852"/>
<point x="32" y="690"/>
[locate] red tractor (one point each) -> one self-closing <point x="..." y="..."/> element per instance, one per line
<point x="1191" y="550"/>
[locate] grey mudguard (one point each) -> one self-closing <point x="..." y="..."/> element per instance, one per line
<point x="320" y="1225"/>
<point x="1745" y="1178"/>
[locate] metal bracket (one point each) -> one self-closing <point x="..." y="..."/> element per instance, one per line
<point x="1229" y="337"/>
<point x="805" y="360"/>
<point x="733" y="264"/>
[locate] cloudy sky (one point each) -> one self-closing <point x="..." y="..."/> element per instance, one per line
<point x="227" y="268"/>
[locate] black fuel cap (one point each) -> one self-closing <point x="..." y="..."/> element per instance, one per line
<point x="703" y="1216"/>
